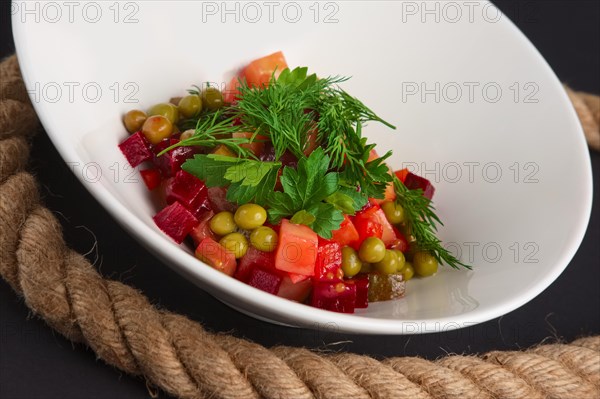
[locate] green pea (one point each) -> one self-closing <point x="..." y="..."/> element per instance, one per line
<point x="250" y="216"/>
<point x="372" y="250"/>
<point x="366" y="268"/>
<point x="408" y="271"/>
<point x="157" y="128"/>
<point x="425" y="264"/>
<point x="235" y="243"/>
<point x="264" y="239"/>
<point x="351" y="263"/>
<point x="393" y="212"/>
<point x="401" y="259"/>
<point x="187" y="134"/>
<point x="134" y="120"/>
<point x="190" y="106"/>
<point x="167" y="110"/>
<point x="212" y="98"/>
<point x="222" y="223"/>
<point x="389" y="263"/>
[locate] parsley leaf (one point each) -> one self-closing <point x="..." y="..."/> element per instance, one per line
<point x="304" y="189"/>
<point x="247" y="179"/>
<point x="248" y="173"/>
<point x="310" y="182"/>
<point x="347" y="199"/>
<point x="297" y="77"/>
<point x="303" y="217"/>
<point x="210" y="169"/>
<point x="327" y="219"/>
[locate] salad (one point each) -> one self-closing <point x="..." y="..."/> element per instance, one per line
<point x="273" y="183"/>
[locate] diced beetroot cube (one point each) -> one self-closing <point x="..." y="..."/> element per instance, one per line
<point x="274" y="227"/>
<point x="151" y="178"/>
<point x="253" y="259"/>
<point x="329" y="261"/>
<point x="202" y="229"/>
<point x="264" y="280"/>
<point x="337" y="297"/>
<point x="136" y="149"/>
<point x="361" y="282"/>
<point x="175" y="221"/>
<point x="158" y="148"/>
<point x="400" y="243"/>
<point x="286" y="159"/>
<point x="189" y="191"/>
<point x="215" y="255"/>
<point x="218" y="200"/>
<point x="414" y="182"/>
<point x="294" y="291"/>
<point x="170" y="163"/>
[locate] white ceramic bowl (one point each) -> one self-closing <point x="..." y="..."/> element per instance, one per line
<point x="479" y="112"/>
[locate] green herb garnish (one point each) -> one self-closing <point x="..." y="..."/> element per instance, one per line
<point x="248" y="179"/>
<point x="304" y="190"/>
<point x="213" y="131"/>
<point x="336" y="178"/>
<point x="422" y="221"/>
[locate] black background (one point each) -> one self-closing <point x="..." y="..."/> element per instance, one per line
<point x="36" y="362"/>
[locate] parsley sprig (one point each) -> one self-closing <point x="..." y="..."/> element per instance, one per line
<point x="304" y="189"/>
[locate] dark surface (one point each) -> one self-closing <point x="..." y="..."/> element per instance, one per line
<point x="35" y="362"/>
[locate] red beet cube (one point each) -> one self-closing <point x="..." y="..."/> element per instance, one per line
<point x="170" y="163"/>
<point x="400" y="243"/>
<point x="329" y="261"/>
<point x="136" y="149"/>
<point x="189" y="191"/>
<point x="175" y="221"/>
<point x="218" y="199"/>
<point x="361" y="282"/>
<point x="252" y="260"/>
<point x="334" y="296"/>
<point x="268" y="281"/>
<point x="414" y="182"/>
<point x="151" y="178"/>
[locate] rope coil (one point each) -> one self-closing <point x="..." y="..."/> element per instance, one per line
<point x="179" y="356"/>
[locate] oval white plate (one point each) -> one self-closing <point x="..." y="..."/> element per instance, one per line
<point x="479" y="112"/>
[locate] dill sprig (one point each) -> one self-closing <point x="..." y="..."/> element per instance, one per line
<point x="421" y="220"/>
<point x="291" y="106"/>
<point x="285" y="110"/>
<point x="276" y="111"/>
<point x="216" y="130"/>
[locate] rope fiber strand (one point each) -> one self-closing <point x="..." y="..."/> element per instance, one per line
<point x="179" y="356"/>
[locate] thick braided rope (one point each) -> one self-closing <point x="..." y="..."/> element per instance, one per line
<point x="179" y="356"/>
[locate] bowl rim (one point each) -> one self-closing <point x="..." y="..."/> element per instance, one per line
<point x="304" y="315"/>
